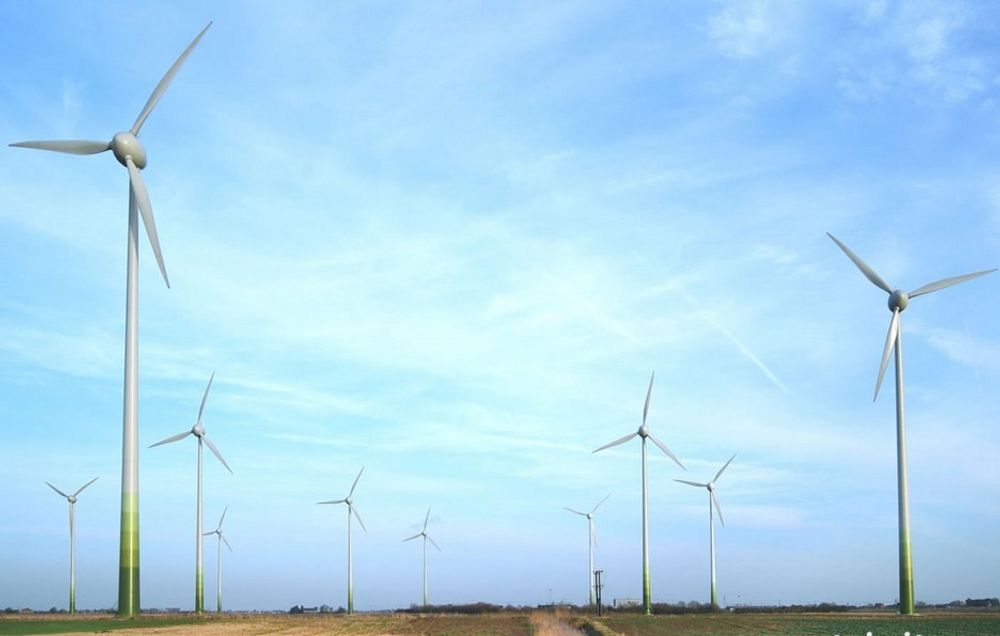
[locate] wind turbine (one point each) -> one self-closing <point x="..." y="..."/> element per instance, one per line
<point x="198" y="430"/>
<point x="590" y="545"/>
<point x="712" y="501"/>
<point x="423" y="533"/>
<point x="644" y="433"/>
<point x="129" y="152"/>
<point x="898" y="301"/>
<point x="218" y="567"/>
<point x="351" y="510"/>
<point x="72" y="540"/>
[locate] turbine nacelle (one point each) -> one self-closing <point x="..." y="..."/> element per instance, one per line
<point x="643" y="431"/>
<point x="71" y="499"/>
<point x="198" y="430"/>
<point x="899" y="300"/>
<point x="125" y="146"/>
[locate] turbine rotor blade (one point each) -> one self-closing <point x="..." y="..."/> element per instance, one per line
<point x="947" y="282"/>
<point x="172" y="439"/>
<point x="215" y="450"/>
<point x="620" y="440"/>
<point x="718" y="509"/>
<point x="333" y="501"/>
<point x="663" y="447"/>
<point x="205" y="534"/>
<point x="890" y="342"/>
<point x="355" y="484"/>
<point x="164" y="83"/>
<point x="58" y="491"/>
<point x="70" y="146"/>
<point x="204" y="397"/>
<point x="85" y="485"/>
<point x="222" y="518"/>
<point x="649" y="392"/>
<point x="226" y="542"/>
<point x="719" y="474"/>
<point x="599" y="503"/>
<point x="416" y="536"/>
<point x="576" y="512"/>
<point x="433" y="544"/>
<point x="692" y="483"/>
<point x="146" y="210"/>
<point x="427" y="518"/>
<point x="865" y="269"/>
<point x="353" y="510"/>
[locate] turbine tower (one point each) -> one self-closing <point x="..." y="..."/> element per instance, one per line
<point x="643" y="432"/>
<point x="898" y="301"/>
<point x="72" y="540"/>
<point x="591" y="539"/>
<point x="712" y="501"/>
<point x="198" y="430"/>
<point x="218" y="566"/>
<point x="423" y="533"/>
<point x="129" y="152"/>
<point x="351" y="510"/>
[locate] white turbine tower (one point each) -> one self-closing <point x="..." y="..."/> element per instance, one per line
<point x="72" y="540"/>
<point x="351" y="510"/>
<point x="591" y="540"/>
<point x="218" y="566"/>
<point x="423" y="533"/>
<point x="198" y="430"/>
<point x="644" y="433"/>
<point x="129" y="152"/>
<point x="898" y="301"/>
<point x="712" y="501"/>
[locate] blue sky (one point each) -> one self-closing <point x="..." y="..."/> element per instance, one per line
<point x="450" y="241"/>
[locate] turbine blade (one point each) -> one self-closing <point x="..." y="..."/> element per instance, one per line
<point x="146" y="210"/>
<point x="355" y="484"/>
<point x="333" y="501"/>
<point x="427" y="518"/>
<point x="663" y="447"/>
<point x="947" y="282"/>
<point x="718" y="509"/>
<point x="865" y="269"/>
<point x="599" y="503"/>
<point x="215" y="450"/>
<point x="649" y="392"/>
<point x="204" y="398"/>
<point x="719" y="474"/>
<point x="205" y="534"/>
<point x="222" y="518"/>
<point x="58" y="491"/>
<point x="172" y="439"/>
<point x="226" y="542"/>
<point x="353" y="510"/>
<point x="691" y="483"/>
<point x="620" y="440"/>
<point x="71" y="146"/>
<point x="85" y="485"/>
<point x="890" y="342"/>
<point x="433" y="544"/>
<point x="419" y="534"/>
<point x="164" y="83"/>
<point x="576" y="512"/>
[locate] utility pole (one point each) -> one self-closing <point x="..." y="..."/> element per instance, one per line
<point x="597" y="588"/>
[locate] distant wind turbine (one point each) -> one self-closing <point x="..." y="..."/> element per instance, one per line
<point x="423" y="533"/>
<point x="129" y="152"/>
<point x="218" y="567"/>
<point x="198" y="430"/>
<point x="72" y="540"/>
<point x="590" y="545"/>
<point x="712" y="501"/>
<point x="644" y="433"/>
<point x="351" y="510"/>
<point x="898" y="301"/>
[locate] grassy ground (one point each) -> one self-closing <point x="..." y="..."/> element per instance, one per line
<point x="36" y="625"/>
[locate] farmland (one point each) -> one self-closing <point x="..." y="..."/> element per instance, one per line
<point x="521" y="624"/>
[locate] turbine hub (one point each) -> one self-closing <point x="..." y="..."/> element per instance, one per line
<point x="198" y="430"/>
<point x="71" y="499"/>
<point x="125" y="144"/>
<point x="898" y="300"/>
<point x="710" y="487"/>
<point x="643" y="431"/>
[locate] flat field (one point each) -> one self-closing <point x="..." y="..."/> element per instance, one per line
<point x="518" y="624"/>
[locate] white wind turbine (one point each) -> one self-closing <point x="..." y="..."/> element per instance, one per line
<point x="423" y="533"/>
<point x="72" y="540"/>
<point x="591" y="540"/>
<point x="899" y="300"/>
<point x="129" y="152"/>
<point x="644" y="433"/>
<point x="351" y="510"/>
<point x="218" y="567"/>
<point x="712" y="501"/>
<point x="198" y="430"/>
